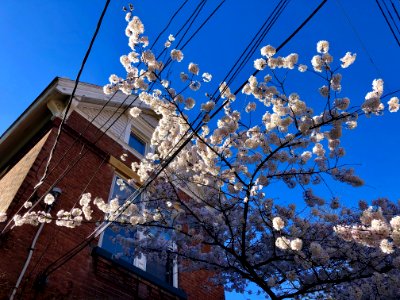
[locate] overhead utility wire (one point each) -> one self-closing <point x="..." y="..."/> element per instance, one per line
<point x="192" y="36"/>
<point x="388" y="23"/>
<point x="379" y="73"/>
<point x="186" y="43"/>
<point x="71" y="165"/>
<point x="189" y="22"/>
<point x="391" y="17"/>
<point x="100" y="21"/>
<point x="198" y="29"/>
<point x="274" y="17"/>
<point x="255" y="42"/>
<point x="168" y="24"/>
<point x="182" y="27"/>
<point x="74" y="251"/>
<point x="288" y="39"/>
<point x="109" y="100"/>
<point x="199" y="125"/>
<point x="395" y="10"/>
<point x="240" y="60"/>
<point x="196" y="15"/>
<point x="76" y="84"/>
<point x="162" y="168"/>
<point x="204" y="23"/>
<point x="135" y="99"/>
<point x="348" y="19"/>
<point x="261" y="37"/>
<point x="196" y="32"/>
<point x="256" y="45"/>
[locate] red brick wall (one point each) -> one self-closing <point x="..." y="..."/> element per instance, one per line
<point x="54" y="241"/>
<point x="77" y="278"/>
<point x="197" y="286"/>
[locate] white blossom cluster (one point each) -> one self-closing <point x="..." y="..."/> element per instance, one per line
<point x="377" y="229"/>
<point x="372" y="103"/>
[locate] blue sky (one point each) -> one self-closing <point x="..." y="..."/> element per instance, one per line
<point x="44" y="39"/>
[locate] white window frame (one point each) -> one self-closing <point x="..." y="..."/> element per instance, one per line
<point x="142" y="130"/>
<point x="140" y="137"/>
<point x="141" y="262"/>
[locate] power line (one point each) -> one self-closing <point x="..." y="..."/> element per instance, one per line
<point x="268" y="24"/>
<point x="292" y="35"/>
<point x="72" y="252"/>
<point x="71" y="165"/>
<point x="395" y="10"/>
<point x="99" y="23"/>
<point x="388" y="23"/>
<point x="163" y="165"/>
<point x="76" y="84"/>
<point x="169" y="23"/>
<point x="204" y="23"/>
<point x="391" y="17"/>
<point x="128" y="106"/>
<point x="390" y="93"/>
<point x="240" y="60"/>
<point x="194" y="15"/>
<point x="114" y="121"/>
<point x="109" y="100"/>
<point x="198" y="29"/>
<point x="348" y="19"/>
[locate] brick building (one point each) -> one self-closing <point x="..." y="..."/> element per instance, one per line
<point x="34" y="259"/>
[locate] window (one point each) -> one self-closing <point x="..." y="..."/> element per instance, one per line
<point x="111" y="240"/>
<point x="163" y="271"/>
<point x="137" y="143"/>
<point x="112" y="236"/>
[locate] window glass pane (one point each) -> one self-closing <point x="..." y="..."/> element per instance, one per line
<point x="114" y="233"/>
<point x="162" y="270"/>
<point x="137" y="144"/>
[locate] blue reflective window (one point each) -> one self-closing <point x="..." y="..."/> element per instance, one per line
<point x="161" y="270"/>
<point x="111" y="241"/>
<point x="136" y="143"/>
<point x="113" y="234"/>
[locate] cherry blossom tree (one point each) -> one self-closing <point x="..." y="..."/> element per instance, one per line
<point x="218" y="156"/>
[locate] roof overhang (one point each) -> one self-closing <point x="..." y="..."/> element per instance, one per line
<point x="40" y="114"/>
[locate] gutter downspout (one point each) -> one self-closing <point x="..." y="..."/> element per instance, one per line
<point x="32" y="248"/>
